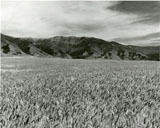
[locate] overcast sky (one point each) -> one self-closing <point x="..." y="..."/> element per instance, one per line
<point x="126" y="22"/>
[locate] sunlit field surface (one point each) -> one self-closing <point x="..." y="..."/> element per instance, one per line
<point x="63" y="93"/>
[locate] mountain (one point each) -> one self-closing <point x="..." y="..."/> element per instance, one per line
<point x="76" y="48"/>
<point x="153" y="52"/>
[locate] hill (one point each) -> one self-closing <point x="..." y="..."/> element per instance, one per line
<point x="76" y="48"/>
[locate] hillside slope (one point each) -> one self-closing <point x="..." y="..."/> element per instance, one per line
<point x="76" y="48"/>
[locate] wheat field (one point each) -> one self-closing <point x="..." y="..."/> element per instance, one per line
<point x="67" y="93"/>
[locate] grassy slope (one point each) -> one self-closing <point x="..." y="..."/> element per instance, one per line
<point x="80" y="93"/>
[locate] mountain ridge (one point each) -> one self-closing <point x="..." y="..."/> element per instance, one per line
<point x="75" y="48"/>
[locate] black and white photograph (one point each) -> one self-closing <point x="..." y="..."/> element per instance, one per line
<point x="80" y="64"/>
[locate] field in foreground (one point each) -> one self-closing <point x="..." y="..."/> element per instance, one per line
<point x="59" y="93"/>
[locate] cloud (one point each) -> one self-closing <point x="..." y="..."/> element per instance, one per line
<point x="148" y="19"/>
<point x="145" y="39"/>
<point x="148" y="11"/>
<point x="107" y="20"/>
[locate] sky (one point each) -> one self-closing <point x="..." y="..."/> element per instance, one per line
<point x="127" y="22"/>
